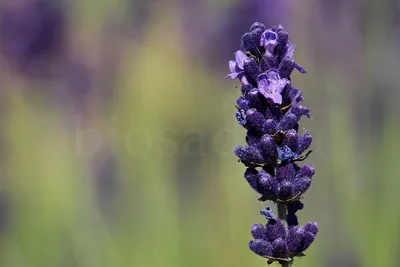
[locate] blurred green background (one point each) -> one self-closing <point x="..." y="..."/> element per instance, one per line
<point x="116" y="140"/>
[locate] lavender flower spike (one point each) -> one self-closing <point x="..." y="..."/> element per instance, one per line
<point x="269" y="109"/>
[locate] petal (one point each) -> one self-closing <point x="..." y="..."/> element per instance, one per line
<point x="273" y="74"/>
<point x="281" y="85"/>
<point x="299" y="111"/>
<point x="300" y="68"/>
<point x="233" y="75"/>
<point x="269" y="40"/>
<point x="232" y="66"/>
<point x="263" y="86"/>
<point x="296" y="95"/>
<point x="289" y="50"/>
<point x="240" y="58"/>
<point x="243" y="78"/>
<point x="276" y="98"/>
<point x="262" y="76"/>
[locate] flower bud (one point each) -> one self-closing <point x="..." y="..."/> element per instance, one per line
<point x="311" y="227"/>
<point x="268" y="148"/>
<point x="248" y="154"/>
<point x="251" y="177"/>
<point x="291" y="140"/>
<point x="288" y="122"/>
<point x="304" y="143"/>
<point x="269" y="186"/>
<point x="286" y="190"/>
<point x="279" y="249"/>
<point x="275" y="229"/>
<point x="258" y="231"/>
<point x="261" y="247"/>
<point x="286" y="172"/>
<point x="295" y="240"/>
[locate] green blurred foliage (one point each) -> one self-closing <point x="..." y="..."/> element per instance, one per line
<point x="176" y="196"/>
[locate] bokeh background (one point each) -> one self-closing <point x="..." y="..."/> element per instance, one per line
<point x="117" y="131"/>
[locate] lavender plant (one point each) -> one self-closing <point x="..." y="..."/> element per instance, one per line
<point x="269" y="109"/>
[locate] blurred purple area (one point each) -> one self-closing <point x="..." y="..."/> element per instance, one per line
<point x="32" y="33"/>
<point x="213" y="31"/>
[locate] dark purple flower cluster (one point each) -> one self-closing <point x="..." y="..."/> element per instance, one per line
<point x="269" y="109"/>
<point x="275" y="243"/>
<point x="288" y="184"/>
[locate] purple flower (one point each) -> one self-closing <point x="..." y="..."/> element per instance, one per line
<point x="277" y="243"/>
<point x="271" y="86"/>
<point x="288" y="64"/>
<point x="269" y="108"/>
<point x="268" y="213"/>
<point x="269" y="40"/>
<point x="285" y="154"/>
<point x="241" y="117"/>
<point x="237" y="67"/>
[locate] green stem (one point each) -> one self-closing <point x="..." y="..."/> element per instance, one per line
<point x="282" y="212"/>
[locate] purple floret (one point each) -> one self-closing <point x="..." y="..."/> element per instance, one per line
<point x="271" y="86"/>
<point x="269" y="40"/>
<point x="237" y="67"/>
